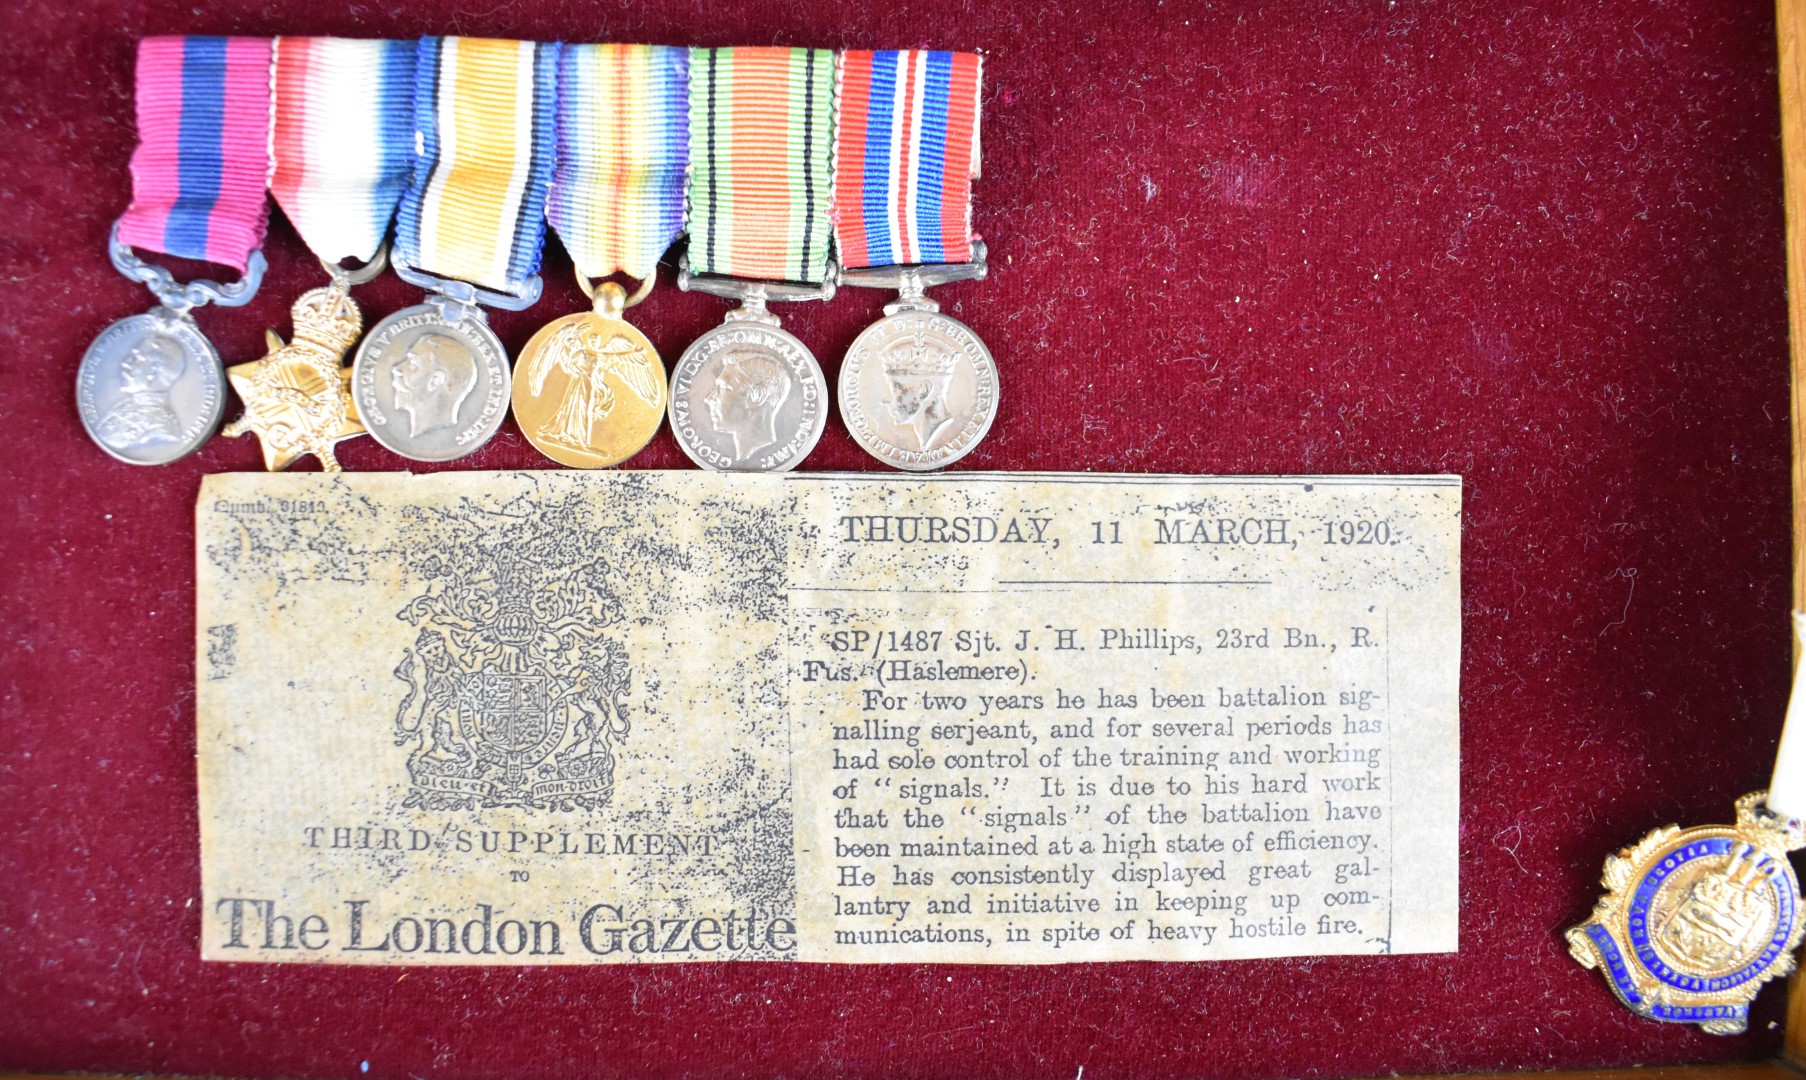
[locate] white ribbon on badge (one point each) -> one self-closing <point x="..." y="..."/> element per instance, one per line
<point x="1787" y="790"/>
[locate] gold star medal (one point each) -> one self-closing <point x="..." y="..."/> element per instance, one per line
<point x="298" y="396"/>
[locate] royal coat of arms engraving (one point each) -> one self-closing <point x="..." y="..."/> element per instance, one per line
<point x="514" y="691"/>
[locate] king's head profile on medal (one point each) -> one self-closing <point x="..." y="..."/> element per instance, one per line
<point x="918" y="375"/>
<point x="744" y="404"/>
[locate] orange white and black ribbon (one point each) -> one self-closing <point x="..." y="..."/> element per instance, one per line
<point x="761" y="148"/>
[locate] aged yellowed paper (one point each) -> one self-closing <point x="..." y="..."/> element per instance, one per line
<point x="562" y="717"/>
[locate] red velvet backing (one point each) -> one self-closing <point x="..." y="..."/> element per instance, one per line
<point x="1536" y="245"/>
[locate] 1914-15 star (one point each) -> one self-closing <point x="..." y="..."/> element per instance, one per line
<point x="298" y="396"/>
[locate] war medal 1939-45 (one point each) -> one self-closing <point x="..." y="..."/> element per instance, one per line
<point x="150" y="389"/>
<point x="431" y="381"/>
<point x="1694" y="921"/>
<point x="918" y="389"/>
<point x="748" y="396"/>
<point x="589" y="389"/>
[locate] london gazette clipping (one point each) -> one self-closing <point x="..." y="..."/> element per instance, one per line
<point x="565" y="718"/>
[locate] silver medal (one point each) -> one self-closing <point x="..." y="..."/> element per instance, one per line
<point x="918" y="389"/>
<point x="431" y="382"/>
<point x="748" y="396"/>
<point x="151" y="389"/>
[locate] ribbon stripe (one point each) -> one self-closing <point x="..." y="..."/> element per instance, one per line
<point x="761" y="129"/>
<point x="203" y="156"/>
<point x="907" y="152"/>
<point x="617" y="193"/>
<point x="342" y="140"/>
<point x="484" y="130"/>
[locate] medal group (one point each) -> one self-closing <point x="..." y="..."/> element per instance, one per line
<point x="790" y="171"/>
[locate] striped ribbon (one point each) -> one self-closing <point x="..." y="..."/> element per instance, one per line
<point x="484" y="129"/>
<point x="623" y="143"/>
<point x="342" y="139"/>
<point x="761" y="144"/>
<point x="203" y="152"/>
<point x="906" y="153"/>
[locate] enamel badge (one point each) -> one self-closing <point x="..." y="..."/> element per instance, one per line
<point x="1696" y="920"/>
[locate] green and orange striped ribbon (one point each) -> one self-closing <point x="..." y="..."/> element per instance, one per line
<point x="761" y="151"/>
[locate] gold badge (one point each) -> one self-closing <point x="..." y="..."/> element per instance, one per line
<point x="1696" y="920"/>
<point x="589" y="390"/>
<point x="298" y="397"/>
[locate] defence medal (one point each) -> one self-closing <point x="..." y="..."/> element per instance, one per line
<point x="341" y="154"/>
<point x="150" y="389"/>
<point x="918" y="389"/>
<point x="431" y="381"/>
<point x="589" y="390"/>
<point x="1694" y="921"/>
<point x="748" y="396"/>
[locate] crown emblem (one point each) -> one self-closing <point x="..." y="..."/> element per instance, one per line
<point x="1694" y="921"/>
<point x="917" y="357"/>
<point x="326" y="317"/>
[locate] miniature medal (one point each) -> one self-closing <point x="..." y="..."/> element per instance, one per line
<point x="589" y="390"/>
<point x="918" y="389"/>
<point x="150" y="389"/>
<point x="748" y="396"/>
<point x="431" y="382"/>
<point x="1696" y="920"/>
<point x="298" y="397"/>
<point x="340" y="158"/>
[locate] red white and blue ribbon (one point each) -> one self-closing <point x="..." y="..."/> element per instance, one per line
<point x="623" y="145"/>
<point x="203" y="156"/>
<point x="484" y="129"/>
<point x="907" y="152"/>
<point x="342" y="139"/>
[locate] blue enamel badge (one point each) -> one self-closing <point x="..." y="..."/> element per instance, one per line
<point x="1696" y="920"/>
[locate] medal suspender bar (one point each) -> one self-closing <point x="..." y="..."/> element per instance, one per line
<point x="748" y="396"/>
<point x="150" y="389"/>
<point x="431" y="382"/>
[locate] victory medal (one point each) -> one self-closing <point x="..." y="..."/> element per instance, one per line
<point x="563" y="398"/>
<point x="589" y="390"/>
